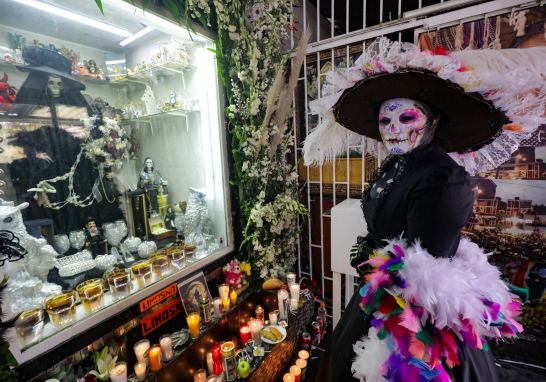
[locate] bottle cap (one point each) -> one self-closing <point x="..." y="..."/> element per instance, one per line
<point x="322" y="304"/>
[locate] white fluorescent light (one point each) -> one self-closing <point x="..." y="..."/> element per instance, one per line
<point x="75" y="16"/>
<point x="5" y="48"/>
<point x="136" y="35"/>
<point x="115" y="62"/>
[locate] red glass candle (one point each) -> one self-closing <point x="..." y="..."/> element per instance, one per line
<point x="244" y="331"/>
<point x="234" y="340"/>
<point x="216" y="350"/>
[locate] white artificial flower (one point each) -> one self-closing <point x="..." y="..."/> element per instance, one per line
<point x="232" y="28"/>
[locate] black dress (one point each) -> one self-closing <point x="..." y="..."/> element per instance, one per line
<point x="429" y="198"/>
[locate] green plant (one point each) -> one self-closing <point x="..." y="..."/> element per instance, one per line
<point x="103" y="363"/>
<point x="7" y="360"/>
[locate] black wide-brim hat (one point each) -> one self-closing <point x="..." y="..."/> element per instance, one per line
<point x="467" y="121"/>
<point x="48" y="61"/>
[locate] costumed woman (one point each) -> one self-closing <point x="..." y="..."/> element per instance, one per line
<point x="429" y="300"/>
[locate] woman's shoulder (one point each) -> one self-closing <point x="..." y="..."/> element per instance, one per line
<point x="439" y="168"/>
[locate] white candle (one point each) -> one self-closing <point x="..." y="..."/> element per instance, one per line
<point x="290" y="278"/>
<point x="166" y="344"/>
<point x="140" y="348"/>
<point x="217" y="307"/>
<point x="295" y="290"/>
<point x="200" y="376"/>
<point x="273" y="318"/>
<point x="119" y="372"/>
<point x="294" y="304"/>
<point x="282" y="295"/>
<point x="210" y="367"/>
<point x="140" y="371"/>
<point x="256" y="331"/>
<point x="224" y="291"/>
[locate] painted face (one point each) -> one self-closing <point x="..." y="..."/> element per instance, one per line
<point x="403" y="125"/>
<point x="149" y="164"/>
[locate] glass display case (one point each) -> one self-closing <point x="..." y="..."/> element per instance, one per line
<point x="112" y="174"/>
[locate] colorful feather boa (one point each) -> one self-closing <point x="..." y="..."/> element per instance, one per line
<point x="420" y="304"/>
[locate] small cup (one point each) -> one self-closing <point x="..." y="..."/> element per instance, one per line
<point x="190" y="252"/>
<point x="119" y="281"/>
<point x="30" y="326"/>
<point x="177" y="257"/>
<point x="160" y="265"/>
<point x="142" y="270"/>
<point x="91" y="292"/>
<point x="61" y="308"/>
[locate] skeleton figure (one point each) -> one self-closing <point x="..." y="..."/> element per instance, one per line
<point x="28" y="282"/>
<point x="149" y="100"/>
<point x="55" y="86"/>
<point x="172" y="99"/>
<point x="405" y="124"/>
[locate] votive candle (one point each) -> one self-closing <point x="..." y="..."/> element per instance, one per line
<point x="224" y="291"/>
<point x="303" y="354"/>
<point x="200" y="376"/>
<point x="256" y="331"/>
<point x="290" y="278"/>
<point x="166" y="343"/>
<point x="297" y="372"/>
<point x="295" y="290"/>
<point x="156" y="360"/>
<point x="302" y="364"/>
<point x="140" y="371"/>
<point x="233" y="296"/>
<point x="260" y="313"/>
<point x="218" y="307"/>
<point x="289" y="377"/>
<point x="193" y="324"/>
<point x="210" y="366"/>
<point x="294" y="304"/>
<point x="244" y="332"/>
<point x="273" y="318"/>
<point x="282" y="296"/>
<point x="225" y="303"/>
<point x="140" y="348"/>
<point x="118" y="372"/>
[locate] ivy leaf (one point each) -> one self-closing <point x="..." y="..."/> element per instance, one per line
<point x="99" y="4"/>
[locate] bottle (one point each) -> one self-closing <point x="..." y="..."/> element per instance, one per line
<point x="322" y="314"/>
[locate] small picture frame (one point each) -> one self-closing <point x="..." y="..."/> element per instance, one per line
<point x="191" y="290"/>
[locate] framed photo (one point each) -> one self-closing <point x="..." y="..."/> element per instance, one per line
<point x="191" y="290"/>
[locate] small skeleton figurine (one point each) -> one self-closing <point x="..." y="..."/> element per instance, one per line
<point x="172" y="100"/>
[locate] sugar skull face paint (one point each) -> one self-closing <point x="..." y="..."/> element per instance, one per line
<point x="403" y="125"/>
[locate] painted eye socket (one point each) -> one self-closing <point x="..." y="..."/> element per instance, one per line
<point x="384" y="121"/>
<point x="408" y="117"/>
<point x="8" y="220"/>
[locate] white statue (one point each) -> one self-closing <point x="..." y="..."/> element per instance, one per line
<point x="28" y="276"/>
<point x="149" y="100"/>
<point x="197" y="223"/>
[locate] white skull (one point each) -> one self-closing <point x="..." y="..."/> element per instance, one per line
<point x="172" y="95"/>
<point x="149" y="164"/>
<point x="55" y="85"/>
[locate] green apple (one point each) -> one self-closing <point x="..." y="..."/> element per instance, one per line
<point x="243" y="369"/>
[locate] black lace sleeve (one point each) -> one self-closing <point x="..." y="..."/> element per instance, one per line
<point x="360" y="252"/>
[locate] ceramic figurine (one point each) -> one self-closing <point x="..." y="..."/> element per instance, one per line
<point x="162" y="51"/>
<point x="177" y="105"/>
<point x="91" y="66"/>
<point x="172" y="100"/>
<point x="149" y="100"/>
<point x="198" y="225"/>
<point x="169" y="218"/>
<point x="152" y="182"/>
<point x="7" y="92"/>
<point x="95" y="240"/>
<point x="160" y="106"/>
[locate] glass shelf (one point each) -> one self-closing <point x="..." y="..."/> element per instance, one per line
<point x="150" y="118"/>
<point x="168" y="69"/>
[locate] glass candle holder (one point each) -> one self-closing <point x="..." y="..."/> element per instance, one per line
<point x="259" y="311"/>
<point x="91" y="292"/>
<point x="118" y="372"/>
<point x="294" y="304"/>
<point x="290" y="278"/>
<point x="225" y="302"/>
<point x="166" y="343"/>
<point x="244" y="332"/>
<point x="233" y="296"/>
<point x="193" y="324"/>
<point x="216" y="350"/>
<point x="30" y="326"/>
<point x="61" y="308"/>
<point x="255" y="326"/>
<point x="228" y="361"/>
<point x="218" y="309"/>
<point x="177" y="257"/>
<point x="302" y="364"/>
<point x="289" y="377"/>
<point x="160" y="265"/>
<point x="140" y="371"/>
<point x="224" y="291"/>
<point x="190" y="252"/>
<point x="210" y="366"/>
<point x="140" y="349"/>
<point x="273" y="318"/>
<point x="119" y="281"/>
<point x="142" y="270"/>
<point x="156" y="359"/>
<point x="200" y="376"/>
<point x="282" y="296"/>
<point x="296" y="371"/>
